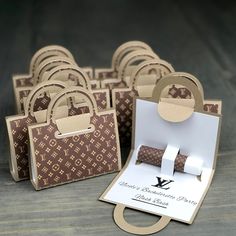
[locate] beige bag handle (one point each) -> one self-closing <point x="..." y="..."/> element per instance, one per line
<point x="136" y="56"/>
<point x="48" y="86"/>
<point x="63" y="72"/>
<point x="123" y="224"/>
<point x="189" y="77"/>
<point x="46" y="52"/>
<point x="150" y="65"/>
<point x="173" y="112"/>
<point x="48" y="64"/>
<point x="125" y="48"/>
<point x="71" y="124"/>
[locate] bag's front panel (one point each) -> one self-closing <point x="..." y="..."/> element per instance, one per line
<point x="101" y="99"/>
<point x="19" y="136"/>
<point x="61" y="160"/>
<point x="124" y="107"/>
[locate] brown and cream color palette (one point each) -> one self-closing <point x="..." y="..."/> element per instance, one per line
<point x="73" y="148"/>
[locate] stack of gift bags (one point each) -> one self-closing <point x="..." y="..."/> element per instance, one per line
<point x="72" y="121"/>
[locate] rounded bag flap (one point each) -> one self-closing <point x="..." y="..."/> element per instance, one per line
<point x="173" y="112"/>
<point x="48" y="87"/>
<point x="125" y="48"/>
<point x="48" y="64"/>
<point x="123" y="224"/>
<point x="71" y="74"/>
<point x="147" y="74"/>
<point x="131" y="60"/>
<point x="46" y="52"/>
<point x="77" y="122"/>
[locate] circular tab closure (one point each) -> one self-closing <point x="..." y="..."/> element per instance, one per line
<point x="173" y="112"/>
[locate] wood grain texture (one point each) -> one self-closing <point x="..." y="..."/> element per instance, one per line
<point x="195" y="37"/>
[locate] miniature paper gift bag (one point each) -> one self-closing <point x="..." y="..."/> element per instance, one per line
<point x="76" y="76"/>
<point x="112" y="73"/>
<point x="163" y="190"/>
<point x="46" y="65"/>
<point x="142" y="82"/>
<point x="126" y="67"/>
<point x="35" y="111"/>
<point x="68" y="149"/>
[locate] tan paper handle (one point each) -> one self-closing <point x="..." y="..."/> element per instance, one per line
<point x="48" y="86"/>
<point x="136" y="56"/>
<point x="172" y="112"/>
<point x="46" y="52"/>
<point x="125" y="48"/>
<point x="63" y="72"/>
<point x="149" y="65"/>
<point x="68" y="93"/>
<point x="124" y="225"/>
<point x="48" y="64"/>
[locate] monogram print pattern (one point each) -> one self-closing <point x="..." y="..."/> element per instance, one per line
<point x="150" y="155"/>
<point x="124" y="107"/>
<point x="180" y="162"/>
<point x="19" y="134"/>
<point x="154" y="156"/>
<point x="22" y="82"/>
<point x="181" y="92"/>
<point x="107" y="74"/>
<point x="61" y="160"/>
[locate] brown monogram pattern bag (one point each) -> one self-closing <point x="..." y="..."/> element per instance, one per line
<point x="74" y="148"/>
<point x="122" y="98"/>
<point x="17" y="126"/>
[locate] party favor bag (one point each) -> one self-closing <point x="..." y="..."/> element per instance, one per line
<point x="67" y="149"/>
<point x="34" y="112"/>
<point x="172" y="161"/>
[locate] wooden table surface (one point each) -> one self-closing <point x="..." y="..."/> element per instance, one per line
<point x="196" y="37"/>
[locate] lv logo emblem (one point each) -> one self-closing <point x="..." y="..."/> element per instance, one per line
<point x="161" y="183"/>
